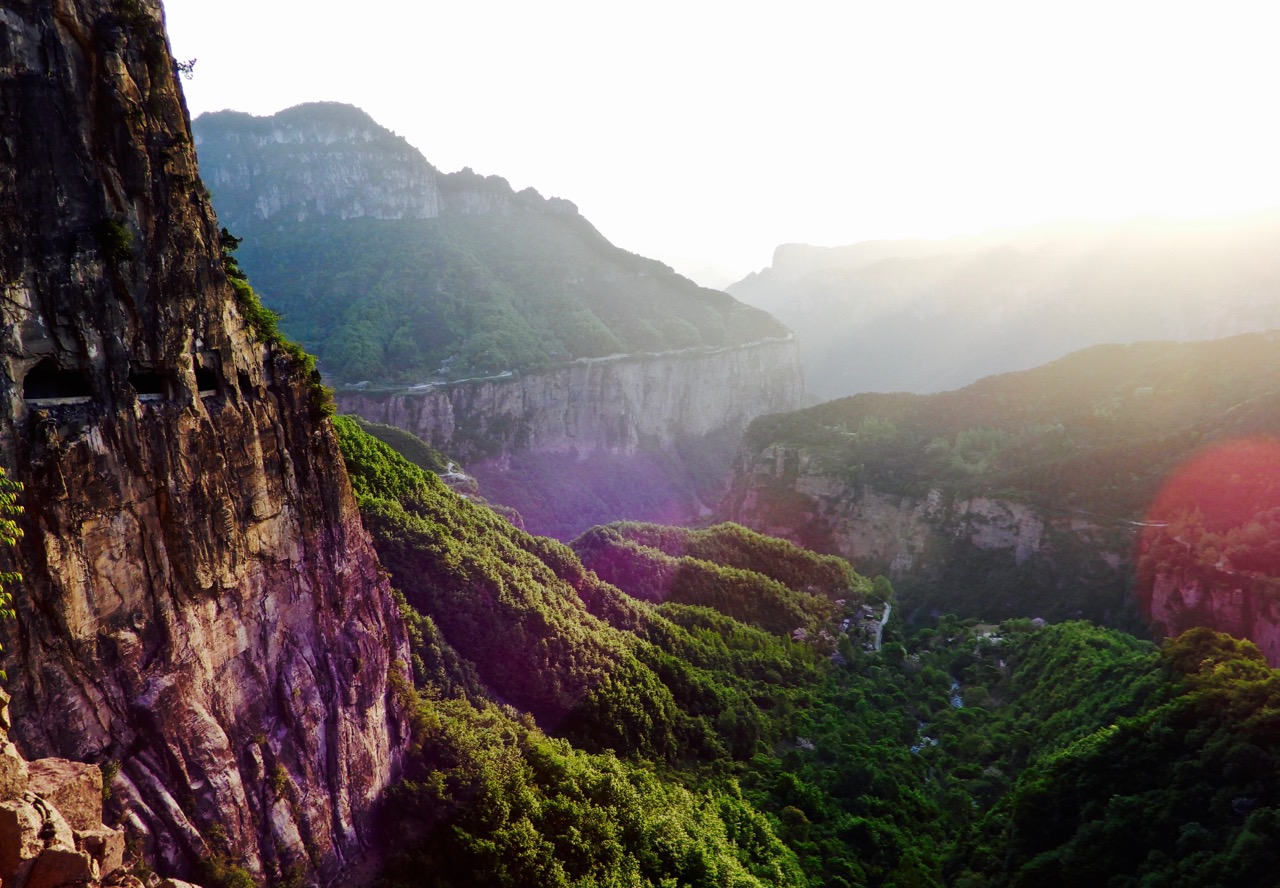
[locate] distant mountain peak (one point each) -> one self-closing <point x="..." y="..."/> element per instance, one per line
<point x="329" y="160"/>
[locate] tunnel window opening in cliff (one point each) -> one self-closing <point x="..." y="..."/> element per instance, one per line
<point x="150" y="385"/>
<point x="47" y="384"/>
<point x="208" y="381"/>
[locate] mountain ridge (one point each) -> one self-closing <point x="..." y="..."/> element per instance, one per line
<point x="579" y="382"/>
<point x="1023" y="494"/>
<point x="932" y="315"/>
<point x="390" y="271"/>
<point x="325" y="128"/>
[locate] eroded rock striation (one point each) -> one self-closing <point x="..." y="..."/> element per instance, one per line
<point x="618" y="404"/>
<point x="645" y="437"/>
<point x="200" y="602"/>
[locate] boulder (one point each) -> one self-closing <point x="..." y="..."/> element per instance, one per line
<point x="38" y="847"/>
<point x="57" y="867"/>
<point x="105" y="846"/>
<point x="13" y="772"/>
<point x="74" y="788"/>
<point x="20" y="842"/>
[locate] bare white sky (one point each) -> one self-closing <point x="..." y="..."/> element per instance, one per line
<point x="718" y="130"/>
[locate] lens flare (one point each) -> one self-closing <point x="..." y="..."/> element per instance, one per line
<point x="1209" y="554"/>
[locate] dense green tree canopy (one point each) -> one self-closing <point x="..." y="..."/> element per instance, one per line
<point x="566" y="733"/>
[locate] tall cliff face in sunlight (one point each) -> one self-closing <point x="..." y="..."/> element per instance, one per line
<point x="646" y="437"/>
<point x="200" y="602"/>
<point x="620" y="405"/>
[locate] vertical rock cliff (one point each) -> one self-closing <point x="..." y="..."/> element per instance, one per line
<point x="645" y="437"/>
<point x="199" y="600"/>
<point x="997" y="556"/>
<point x="1028" y="493"/>
<point x="1242" y="605"/>
<point x="1209" y="554"/>
<point x="618" y="404"/>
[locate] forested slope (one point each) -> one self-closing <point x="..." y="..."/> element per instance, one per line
<point x="393" y="272"/>
<point x="1023" y="494"/>
<point x="568" y="734"/>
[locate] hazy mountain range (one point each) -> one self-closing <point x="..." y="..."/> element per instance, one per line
<point x="925" y="316"/>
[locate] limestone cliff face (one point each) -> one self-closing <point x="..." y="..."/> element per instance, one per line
<point x="784" y="492"/>
<point x="329" y="160"/>
<point x="199" y="600"/>
<point x="1236" y="603"/>
<point x="616" y="405"/>
<point x="635" y="437"/>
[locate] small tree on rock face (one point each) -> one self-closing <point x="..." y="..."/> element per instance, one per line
<point x="10" y="533"/>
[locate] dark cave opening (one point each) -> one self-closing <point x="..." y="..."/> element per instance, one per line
<point x="47" y="382"/>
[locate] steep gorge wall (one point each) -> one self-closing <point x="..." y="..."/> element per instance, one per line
<point x="1012" y="558"/>
<point x="199" y="602"/>
<point x="616" y="405"/>
<point x="638" y="437"/>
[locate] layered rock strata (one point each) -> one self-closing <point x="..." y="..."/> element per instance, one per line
<point x="645" y="437"/>
<point x="199" y="602"/>
<point x="617" y="405"/>
<point x="921" y="540"/>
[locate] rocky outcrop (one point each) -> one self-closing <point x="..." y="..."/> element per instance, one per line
<point x="1236" y="603"/>
<point x="329" y="160"/>
<point x="199" y="601"/>
<point x="937" y="539"/>
<point x="51" y="829"/>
